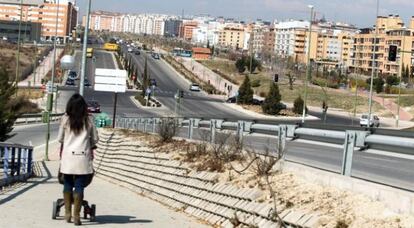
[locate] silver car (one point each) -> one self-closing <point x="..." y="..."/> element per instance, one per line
<point x="374" y="122"/>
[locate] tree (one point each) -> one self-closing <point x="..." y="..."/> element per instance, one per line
<point x="271" y="104"/>
<point x="392" y="80"/>
<point x="241" y="65"/>
<point x="245" y="92"/>
<point x="379" y="85"/>
<point x="254" y="64"/>
<point x="8" y="112"/>
<point x="298" y="106"/>
<point x="145" y="77"/>
<point x="407" y="73"/>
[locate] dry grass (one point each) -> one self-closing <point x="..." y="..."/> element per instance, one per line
<point x="30" y="93"/>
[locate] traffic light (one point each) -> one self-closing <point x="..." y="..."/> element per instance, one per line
<point x="181" y="93"/>
<point x="392" y="53"/>
<point x="276" y="78"/>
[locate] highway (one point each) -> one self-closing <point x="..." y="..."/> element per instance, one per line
<point x="371" y="164"/>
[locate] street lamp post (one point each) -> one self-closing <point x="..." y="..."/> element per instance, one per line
<point x="397" y="120"/>
<point x="308" y="70"/>
<point x="373" y="68"/>
<point x="85" y="43"/>
<point x="18" y="44"/>
<point x="50" y="94"/>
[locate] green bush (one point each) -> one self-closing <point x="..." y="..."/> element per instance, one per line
<point x="245" y="92"/>
<point x="298" y="106"/>
<point x="271" y="104"/>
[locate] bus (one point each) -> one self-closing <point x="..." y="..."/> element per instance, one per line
<point x="89" y="52"/>
<point x="182" y="53"/>
<point x="111" y="47"/>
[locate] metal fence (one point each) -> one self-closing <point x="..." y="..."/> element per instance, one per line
<point x="350" y="140"/>
<point x="37" y="118"/>
<point x="16" y="163"/>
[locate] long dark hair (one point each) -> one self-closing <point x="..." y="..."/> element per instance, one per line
<point x="77" y="110"/>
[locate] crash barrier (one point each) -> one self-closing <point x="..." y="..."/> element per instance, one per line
<point x="16" y="163"/>
<point x="351" y="140"/>
<point x="38" y="118"/>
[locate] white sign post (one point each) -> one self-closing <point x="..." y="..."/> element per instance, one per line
<point x="110" y="80"/>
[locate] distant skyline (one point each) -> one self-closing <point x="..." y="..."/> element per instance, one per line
<point x="358" y="12"/>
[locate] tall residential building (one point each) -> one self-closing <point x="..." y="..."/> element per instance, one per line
<point x="263" y="40"/>
<point x="186" y="29"/>
<point x="290" y="39"/>
<point x="104" y="21"/>
<point x="391" y="31"/>
<point x="43" y="12"/>
<point x="172" y="27"/>
<point x="233" y="36"/>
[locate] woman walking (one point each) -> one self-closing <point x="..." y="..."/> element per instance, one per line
<point x="78" y="137"/>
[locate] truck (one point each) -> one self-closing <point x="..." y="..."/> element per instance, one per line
<point x="111" y="47"/>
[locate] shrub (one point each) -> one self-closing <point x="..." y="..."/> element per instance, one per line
<point x="245" y="92"/>
<point x="167" y="129"/>
<point x="271" y="104"/>
<point x="255" y="83"/>
<point x="392" y="80"/>
<point x="240" y="65"/>
<point x="298" y="106"/>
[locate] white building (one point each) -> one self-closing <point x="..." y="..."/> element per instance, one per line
<point x="286" y="36"/>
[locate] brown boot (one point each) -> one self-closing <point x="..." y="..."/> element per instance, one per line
<point x="67" y="199"/>
<point x="77" y="205"/>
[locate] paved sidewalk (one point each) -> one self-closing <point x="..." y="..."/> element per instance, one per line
<point x="41" y="71"/>
<point x="30" y="205"/>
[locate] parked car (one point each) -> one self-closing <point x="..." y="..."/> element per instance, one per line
<point x="257" y="102"/>
<point x="72" y="75"/>
<point x="137" y="52"/>
<point x="231" y="100"/>
<point x="93" y="107"/>
<point x="130" y="50"/>
<point x="374" y="122"/>
<point x="195" y="87"/>
<point x="70" y="82"/>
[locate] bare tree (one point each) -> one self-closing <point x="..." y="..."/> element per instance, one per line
<point x="168" y="129"/>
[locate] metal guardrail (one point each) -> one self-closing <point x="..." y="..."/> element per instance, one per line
<point x="351" y="140"/>
<point x="37" y="118"/>
<point x="16" y="163"/>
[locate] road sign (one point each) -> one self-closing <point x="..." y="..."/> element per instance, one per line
<point x="148" y="91"/>
<point x="109" y="80"/>
<point x="49" y="87"/>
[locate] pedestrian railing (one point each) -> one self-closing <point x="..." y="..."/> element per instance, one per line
<point x="351" y="140"/>
<point x="15" y="163"/>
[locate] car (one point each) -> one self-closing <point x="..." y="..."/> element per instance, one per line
<point x="72" y="75"/>
<point x="130" y="50"/>
<point x="195" y="87"/>
<point x="257" y="102"/>
<point x="70" y="82"/>
<point x="232" y="99"/>
<point x="87" y="83"/>
<point x="155" y="56"/>
<point x="374" y="122"/>
<point x="152" y="82"/>
<point x="137" y="52"/>
<point x="93" y="107"/>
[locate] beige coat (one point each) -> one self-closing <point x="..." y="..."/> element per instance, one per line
<point x="77" y="154"/>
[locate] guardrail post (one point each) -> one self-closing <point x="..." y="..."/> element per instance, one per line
<point x="349" y="145"/>
<point x="240" y="129"/>
<point x="213" y="131"/>
<point x="145" y="124"/>
<point x="153" y="124"/>
<point x="282" y="134"/>
<point x="190" y="128"/>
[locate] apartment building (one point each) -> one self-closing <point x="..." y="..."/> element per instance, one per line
<point x="104" y="21"/>
<point x="187" y="28"/>
<point x="233" y="36"/>
<point x="263" y="40"/>
<point x="43" y="12"/>
<point x="290" y="37"/>
<point x="172" y="27"/>
<point x="391" y="31"/>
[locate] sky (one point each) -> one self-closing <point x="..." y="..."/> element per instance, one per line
<point x="358" y="12"/>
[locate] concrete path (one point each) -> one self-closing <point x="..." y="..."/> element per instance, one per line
<point x="41" y="71"/>
<point x="30" y="205"/>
